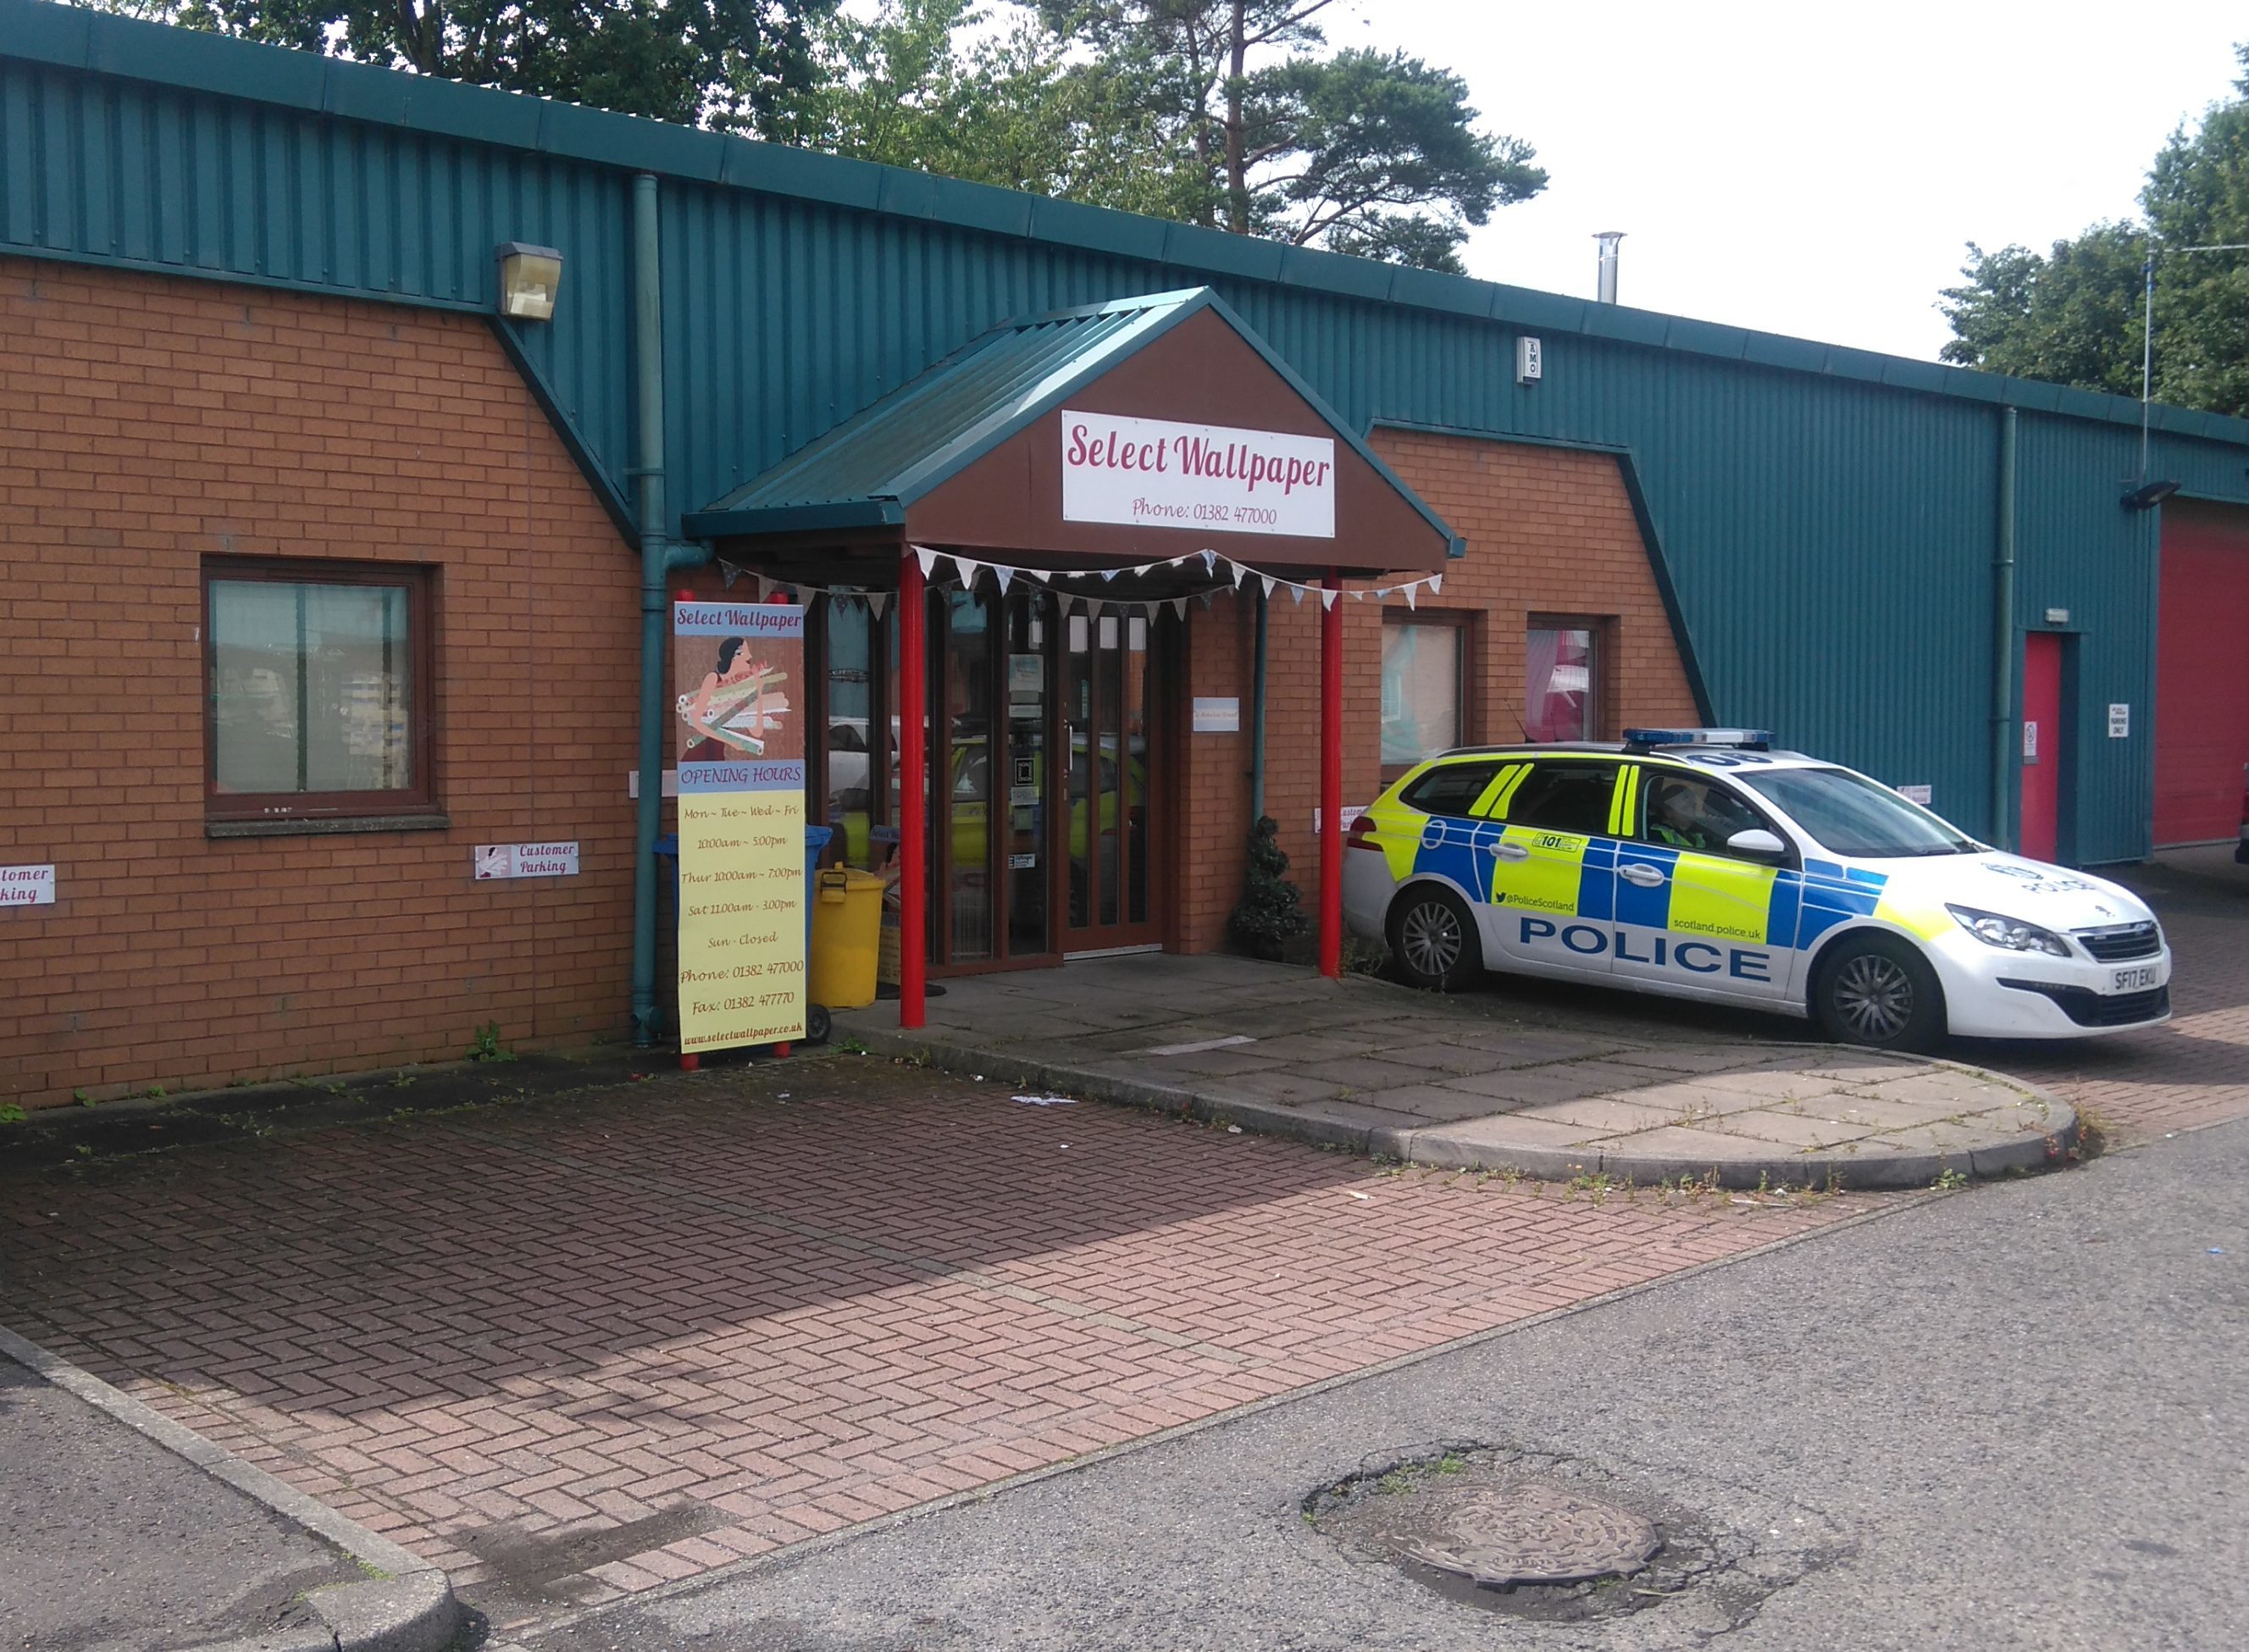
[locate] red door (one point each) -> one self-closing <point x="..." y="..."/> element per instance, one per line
<point x="2041" y="744"/>
<point x="2201" y="673"/>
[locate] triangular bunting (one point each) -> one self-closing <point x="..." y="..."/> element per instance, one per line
<point x="1108" y="575"/>
<point x="1002" y="573"/>
<point x="1410" y="591"/>
<point x="1180" y="607"/>
<point x="1240" y="573"/>
<point x="927" y="557"/>
<point x="877" y="602"/>
<point x="1146" y="568"/>
<point x="1269" y="583"/>
<point x="1209" y="564"/>
<point x="729" y="571"/>
<point x="1296" y="592"/>
<point x="968" y="566"/>
<point x="1204" y="598"/>
<point x="1328" y="597"/>
<point x="1435" y="582"/>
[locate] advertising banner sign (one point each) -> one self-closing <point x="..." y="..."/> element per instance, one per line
<point x="1207" y="478"/>
<point x="738" y="668"/>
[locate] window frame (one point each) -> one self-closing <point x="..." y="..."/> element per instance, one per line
<point x="1468" y="697"/>
<point x="1599" y="630"/>
<point x="1764" y="816"/>
<point x="1613" y="766"/>
<point x="416" y="803"/>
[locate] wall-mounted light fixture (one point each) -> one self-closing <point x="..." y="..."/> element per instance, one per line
<point x="529" y="279"/>
<point x="2148" y="495"/>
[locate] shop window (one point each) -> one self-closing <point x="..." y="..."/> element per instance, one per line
<point x="1562" y="680"/>
<point x="1425" y="687"/>
<point x="320" y="692"/>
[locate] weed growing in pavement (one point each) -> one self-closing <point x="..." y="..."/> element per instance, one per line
<point x="2092" y="1133"/>
<point x="851" y="1046"/>
<point x="11" y="1114"/>
<point x="1949" y="1181"/>
<point x="85" y="1150"/>
<point x="156" y="1092"/>
<point x="487" y="1046"/>
<point x="82" y="1098"/>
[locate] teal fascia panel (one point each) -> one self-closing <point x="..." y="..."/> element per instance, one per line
<point x="1706" y="338"/>
<point x="1196" y="246"/>
<point x="774" y="168"/>
<point x="357" y="93"/>
<point x="1097" y="229"/>
<point x="1778" y="349"/>
<point x="1436" y="290"/>
<point x="1333" y="273"/>
<point x="49" y="34"/>
<point x="836" y="516"/>
<point x="206" y="62"/>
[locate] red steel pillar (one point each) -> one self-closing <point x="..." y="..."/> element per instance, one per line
<point x="913" y="792"/>
<point x="1331" y="777"/>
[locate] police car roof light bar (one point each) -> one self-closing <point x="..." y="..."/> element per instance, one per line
<point x="1740" y="739"/>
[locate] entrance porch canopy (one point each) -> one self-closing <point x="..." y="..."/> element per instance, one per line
<point x="1121" y="434"/>
<point x="1137" y="432"/>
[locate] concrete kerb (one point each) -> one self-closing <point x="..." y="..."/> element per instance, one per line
<point x="407" y="1605"/>
<point x="1440" y="1146"/>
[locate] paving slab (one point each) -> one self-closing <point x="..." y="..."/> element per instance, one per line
<point x="1459" y="1081"/>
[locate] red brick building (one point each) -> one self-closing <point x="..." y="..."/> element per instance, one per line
<point x="324" y="566"/>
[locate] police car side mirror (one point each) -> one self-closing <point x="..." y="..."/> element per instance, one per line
<point x="1757" y="843"/>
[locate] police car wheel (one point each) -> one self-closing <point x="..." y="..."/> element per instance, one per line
<point x="1434" y="940"/>
<point x="1879" y="993"/>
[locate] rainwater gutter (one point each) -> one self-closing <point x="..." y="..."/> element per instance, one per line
<point x="660" y="556"/>
<point x="2003" y="642"/>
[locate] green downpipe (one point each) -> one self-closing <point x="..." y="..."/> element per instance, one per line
<point x="2003" y="761"/>
<point x="1258" y="719"/>
<point x="659" y="557"/>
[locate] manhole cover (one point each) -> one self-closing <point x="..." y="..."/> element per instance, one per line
<point x="1527" y="1531"/>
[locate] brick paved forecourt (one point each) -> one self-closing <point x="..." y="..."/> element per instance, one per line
<point x="1459" y="1083"/>
<point x="572" y="1348"/>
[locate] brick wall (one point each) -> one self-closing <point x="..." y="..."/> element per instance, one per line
<point x="1549" y="532"/>
<point x="147" y="422"/>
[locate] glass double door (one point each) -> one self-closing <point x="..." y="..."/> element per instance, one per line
<point x="1042" y="768"/>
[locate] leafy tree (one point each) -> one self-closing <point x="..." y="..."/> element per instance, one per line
<point x="700" y="62"/>
<point x="2074" y="315"/>
<point x="925" y="84"/>
<point x="1363" y="151"/>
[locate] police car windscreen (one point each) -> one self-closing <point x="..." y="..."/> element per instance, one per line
<point x="1852" y="817"/>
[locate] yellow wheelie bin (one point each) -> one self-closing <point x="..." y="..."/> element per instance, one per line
<point x="847" y="925"/>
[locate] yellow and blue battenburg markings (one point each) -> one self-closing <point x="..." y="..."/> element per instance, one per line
<point x="1565" y="874"/>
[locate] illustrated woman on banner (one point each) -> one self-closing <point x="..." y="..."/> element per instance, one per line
<point x="736" y="709"/>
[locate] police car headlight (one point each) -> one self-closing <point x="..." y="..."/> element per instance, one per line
<point x="2012" y="933"/>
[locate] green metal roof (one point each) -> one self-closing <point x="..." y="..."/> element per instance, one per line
<point x="100" y="43"/>
<point x="867" y="469"/>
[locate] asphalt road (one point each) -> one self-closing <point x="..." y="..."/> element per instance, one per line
<point x="109" y="1543"/>
<point x="2007" y="1418"/>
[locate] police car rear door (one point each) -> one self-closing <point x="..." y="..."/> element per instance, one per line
<point x="1691" y="914"/>
<point x="1553" y="864"/>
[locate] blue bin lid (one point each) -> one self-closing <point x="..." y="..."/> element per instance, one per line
<point x="815" y="837"/>
<point x="667" y="844"/>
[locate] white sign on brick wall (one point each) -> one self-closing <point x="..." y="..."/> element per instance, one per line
<point x="27" y="885"/>
<point x="525" y="860"/>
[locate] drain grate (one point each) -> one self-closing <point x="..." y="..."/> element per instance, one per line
<point x="1526" y="1532"/>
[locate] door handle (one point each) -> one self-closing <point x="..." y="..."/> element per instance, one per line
<point x="1640" y="872"/>
<point x="1512" y="852"/>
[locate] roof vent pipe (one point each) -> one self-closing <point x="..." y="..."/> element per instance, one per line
<point x="1608" y="239"/>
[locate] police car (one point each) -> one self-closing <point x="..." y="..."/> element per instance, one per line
<point x="1701" y="863"/>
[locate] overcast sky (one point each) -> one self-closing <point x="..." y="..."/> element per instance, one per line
<point x="1812" y="169"/>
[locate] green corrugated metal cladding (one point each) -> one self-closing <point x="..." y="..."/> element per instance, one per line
<point x="1829" y="517"/>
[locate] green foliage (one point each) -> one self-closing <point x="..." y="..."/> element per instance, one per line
<point x="487" y="1046"/>
<point x="720" y="63"/>
<point x="1364" y="152"/>
<point x="2074" y="315"/>
<point x="928" y="84"/>
<point x="1270" y="911"/>
<point x="11" y="1114"/>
